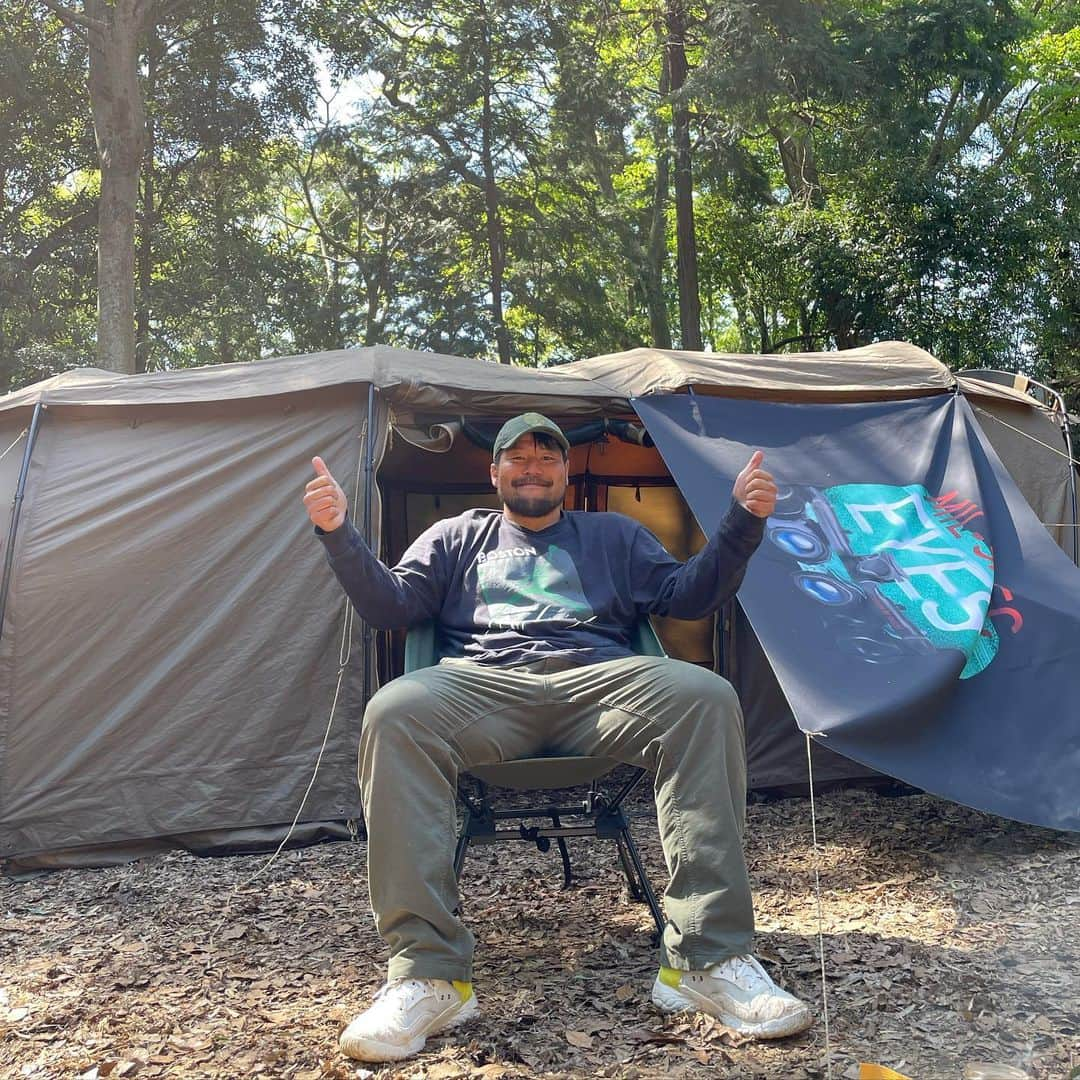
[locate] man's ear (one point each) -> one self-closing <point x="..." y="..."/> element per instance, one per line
<point x="494" y="473"/>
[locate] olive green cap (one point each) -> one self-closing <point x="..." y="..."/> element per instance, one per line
<point x="524" y="424"/>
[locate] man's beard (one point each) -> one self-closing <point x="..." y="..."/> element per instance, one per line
<point x="531" y="506"/>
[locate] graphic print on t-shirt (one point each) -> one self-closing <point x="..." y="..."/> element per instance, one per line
<point x="519" y="585"/>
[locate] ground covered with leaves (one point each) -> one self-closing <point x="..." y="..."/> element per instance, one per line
<point x="949" y="937"/>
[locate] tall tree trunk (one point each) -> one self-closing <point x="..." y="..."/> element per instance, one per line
<point x="495" y="234"/>
<point x="659" y="327"/>
<point x="794" y="137"/>
<point x="144" y="256"/>
<point x="120" y="131"/>
<point x="226" y="352"/>
<point x="372" y="324"/>
<point x="225" y="346"/>
<point x="145" y="265"/>
<point x="686" y="242"/>
<point x="796" y="148"/>
<point x="762" y="325"/>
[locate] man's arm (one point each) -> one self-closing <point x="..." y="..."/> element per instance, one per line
<point x="387" y="599"/>
<point x="698" y="587"/>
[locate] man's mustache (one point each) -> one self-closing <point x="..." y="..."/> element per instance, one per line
<point x="534" y="480"/>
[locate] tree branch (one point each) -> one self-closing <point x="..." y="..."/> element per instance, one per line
<point x="987" y="105"/>
<point x="57" y="239"/>
<point x="939" y="135"/>
<point x="324" y="235"/>
<point x="162" y="10"/>
<point x="807" y="339"/>
<point x="451" y="157"/>
<point x="1019" y="131"/>
<point x="76" y="18"/>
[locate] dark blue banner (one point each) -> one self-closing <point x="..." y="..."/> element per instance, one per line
<point x="917" y="615"/>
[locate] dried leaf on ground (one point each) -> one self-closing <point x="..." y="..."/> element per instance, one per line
<point x="949" y="940"/>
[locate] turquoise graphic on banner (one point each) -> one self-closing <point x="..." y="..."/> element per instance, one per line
<point x="870" y="593"/>
<point x="520" y="586"/>
<point x="899" y="567"/>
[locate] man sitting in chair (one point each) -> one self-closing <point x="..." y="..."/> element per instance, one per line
<point x="535" y="607"/>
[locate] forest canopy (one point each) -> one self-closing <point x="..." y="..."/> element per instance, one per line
<point x="189" y="182"/>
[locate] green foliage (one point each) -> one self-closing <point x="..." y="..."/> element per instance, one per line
<point x="903" y="199"/>
<point x="493" y="177"/>
<point x="47" y="201"/>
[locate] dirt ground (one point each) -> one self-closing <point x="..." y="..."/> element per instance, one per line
<point x="950" y="937"/>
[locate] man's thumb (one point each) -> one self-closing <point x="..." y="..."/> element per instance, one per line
<point x="319" y="466"/>
<point x="756" y="458"/>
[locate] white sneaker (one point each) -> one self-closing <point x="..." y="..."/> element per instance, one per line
<point x="403" y="1014"/>
<point x="738" y="993"/>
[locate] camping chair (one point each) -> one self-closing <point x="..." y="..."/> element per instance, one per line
<point x="599" y="816"/>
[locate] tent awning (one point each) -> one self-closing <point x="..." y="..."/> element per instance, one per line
<point x="888" y="369"/>
<point x="427" y="381"/>
<point x="406" y="378"/>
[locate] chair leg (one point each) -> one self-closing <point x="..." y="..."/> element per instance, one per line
<point x="461" y="849"/>
<point x="646" y="888"/>
<point x="567" y="873"/>
<point x="631" y="881"/>
<point x="567" y="876"/>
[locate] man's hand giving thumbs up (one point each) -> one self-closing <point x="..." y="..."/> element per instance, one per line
<point x="755" y="488"/>
<point x="323" y="498"/>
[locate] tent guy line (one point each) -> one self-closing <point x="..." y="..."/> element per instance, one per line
<point x="344" y="656"/>
<point x="296" y="818"/>
<point x="18" y="439"/>
<point x="820" y="911"/>
<point x="1046" y="446"/>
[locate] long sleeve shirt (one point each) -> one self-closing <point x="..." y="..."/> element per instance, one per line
<point x="505" y="595"/>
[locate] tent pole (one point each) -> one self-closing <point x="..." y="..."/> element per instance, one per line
<point x="369" y="479"/>
<point x="16" y="510"/>
<point x="1072" y="482"/>
<point x="1072" y="490"/>
<point x="1059" y="407"/>
<point x="1072" y="471"/>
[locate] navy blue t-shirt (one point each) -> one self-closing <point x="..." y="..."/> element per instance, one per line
<point x="506" y="595"/>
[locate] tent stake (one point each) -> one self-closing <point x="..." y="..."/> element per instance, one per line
<point x="16" y="510"/>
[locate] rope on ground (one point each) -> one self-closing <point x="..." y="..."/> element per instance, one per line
<point x="820" y="916"/>
<point x="344" y="655"/>
<point x="300" y="809"/>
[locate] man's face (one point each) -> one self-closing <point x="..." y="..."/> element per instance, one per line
<point x="530" y="478"/>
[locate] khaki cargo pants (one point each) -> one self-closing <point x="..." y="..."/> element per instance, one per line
<point x="681" y="722"/>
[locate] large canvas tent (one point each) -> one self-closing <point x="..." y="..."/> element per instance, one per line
<point x="173" y="642"/>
